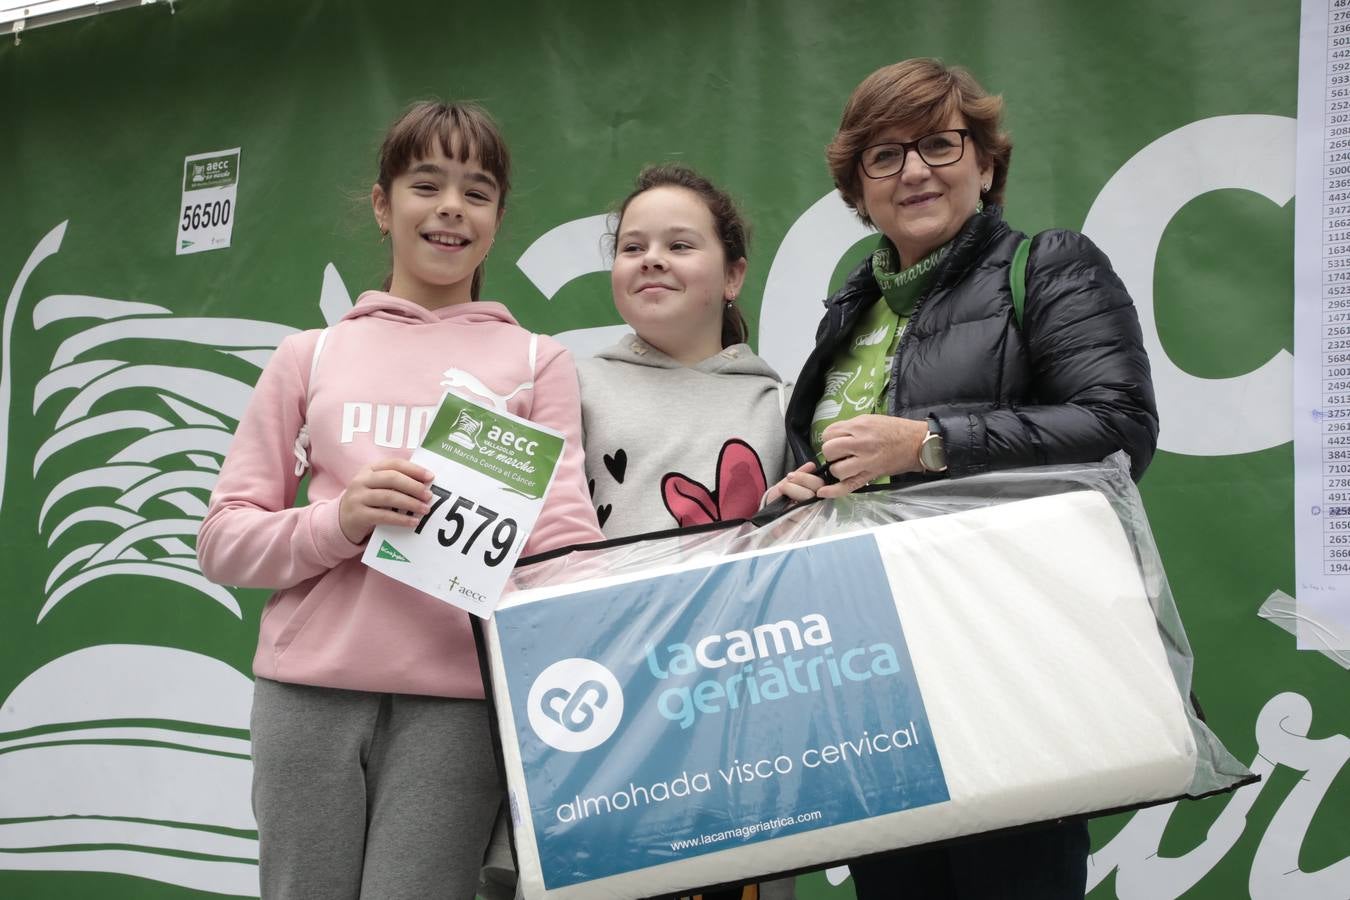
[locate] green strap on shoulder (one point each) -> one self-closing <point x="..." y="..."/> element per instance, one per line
<point x="1017" y="279"/>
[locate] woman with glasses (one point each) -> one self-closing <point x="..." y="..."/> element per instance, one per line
<point x="955" y="347"/>
<point x="926" y="361"/>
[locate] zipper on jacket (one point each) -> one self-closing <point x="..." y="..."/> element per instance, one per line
<point x="893" y="400"/>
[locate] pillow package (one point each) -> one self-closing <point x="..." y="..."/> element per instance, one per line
<point x="885" y="670"/>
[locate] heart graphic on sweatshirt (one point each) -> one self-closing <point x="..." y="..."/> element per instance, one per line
<point x="617" y="464"/>
<point x="740" y="486"/>
<point x="602" y="513"/>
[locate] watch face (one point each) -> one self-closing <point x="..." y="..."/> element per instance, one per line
<point x="932" y="454"/>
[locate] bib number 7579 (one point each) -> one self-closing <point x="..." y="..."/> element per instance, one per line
<point x="502" y="536"/>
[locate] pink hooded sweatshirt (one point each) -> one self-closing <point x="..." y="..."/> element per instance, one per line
<point x="334" y="622"/>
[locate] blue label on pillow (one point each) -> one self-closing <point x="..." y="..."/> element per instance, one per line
<point x="696" y="712"/>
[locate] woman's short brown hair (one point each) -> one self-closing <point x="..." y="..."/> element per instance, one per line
<point x="919" y="95"/>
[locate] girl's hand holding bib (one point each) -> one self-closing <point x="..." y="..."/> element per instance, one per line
<point x="390" y="492"/>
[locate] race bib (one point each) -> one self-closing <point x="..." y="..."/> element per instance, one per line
<point x="492" y="472"/>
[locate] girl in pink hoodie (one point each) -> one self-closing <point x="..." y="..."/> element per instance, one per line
<point x="374" y="773"/>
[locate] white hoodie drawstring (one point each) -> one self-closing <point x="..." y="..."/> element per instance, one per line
<point x="301" y="446"/>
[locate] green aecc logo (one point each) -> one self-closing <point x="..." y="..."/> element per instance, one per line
<point x="509" y="440"/>
<point x="217" y="171"/>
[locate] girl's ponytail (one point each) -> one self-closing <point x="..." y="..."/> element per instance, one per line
<point x="734" y="329"/>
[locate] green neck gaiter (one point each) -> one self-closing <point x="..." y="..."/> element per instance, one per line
<point x="902" y="288"/>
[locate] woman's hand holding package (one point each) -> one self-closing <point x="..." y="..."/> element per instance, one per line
<point x="864" y="448"/>
<point x="390" y="492"/>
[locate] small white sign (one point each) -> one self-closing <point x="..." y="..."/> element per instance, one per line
<point x="492" y="471"/>
<point x="210" y="184"/>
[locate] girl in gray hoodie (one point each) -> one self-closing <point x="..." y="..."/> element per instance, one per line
<point x="683" y="422"/>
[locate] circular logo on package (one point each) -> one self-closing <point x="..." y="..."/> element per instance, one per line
<point x="575" y="704"/>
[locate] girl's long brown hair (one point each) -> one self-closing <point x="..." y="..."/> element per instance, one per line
<point x="464" y="131"/>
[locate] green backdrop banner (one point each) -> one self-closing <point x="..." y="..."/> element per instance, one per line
<point x="1164" y="130"/>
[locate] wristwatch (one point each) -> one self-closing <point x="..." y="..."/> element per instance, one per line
<point x="932" y="455"/>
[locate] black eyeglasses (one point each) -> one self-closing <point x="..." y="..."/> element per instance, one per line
<point x="941" y="148"/>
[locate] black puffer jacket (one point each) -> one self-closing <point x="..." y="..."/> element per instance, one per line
<point x="1071" y="384"/>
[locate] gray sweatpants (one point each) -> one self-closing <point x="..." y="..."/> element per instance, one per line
<point x="375" y="796"/>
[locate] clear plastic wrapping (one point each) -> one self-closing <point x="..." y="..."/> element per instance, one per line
<point x="888" y="669"/>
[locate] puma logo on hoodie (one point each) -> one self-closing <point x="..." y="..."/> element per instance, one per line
<point x="394" y="425"/>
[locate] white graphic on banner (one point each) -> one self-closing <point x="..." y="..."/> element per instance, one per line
<point x="562" y="254"/>
<point x="1199" y="416"/>
<point x="131" y="439"/>
<point x="88" y="778"/>
<point x="1281" y="733"/>
<point x="146" y="448"/>
<point x="799" y="280"/>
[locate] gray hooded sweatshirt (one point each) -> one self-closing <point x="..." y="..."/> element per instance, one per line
<point x="672" y="446"/>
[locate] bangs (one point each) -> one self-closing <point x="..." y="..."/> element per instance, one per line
<point x="920" y="118"/>
<point x="463" y="132"/>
